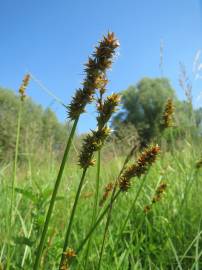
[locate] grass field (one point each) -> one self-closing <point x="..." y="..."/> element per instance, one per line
<point x="167" y="237"/>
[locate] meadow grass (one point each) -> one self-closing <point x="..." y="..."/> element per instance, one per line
<point x="167" y="237"/>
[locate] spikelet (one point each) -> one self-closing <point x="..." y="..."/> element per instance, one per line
<point x="157" y="197"/>
<point x="167" y="120"/>
<point x="24" y="86"/>
<point x="95" y="71"/>
<point x="147" y="158"/>
<point x="68" y="254"/>
<point x="107" y="108"/>
<point x="109" y="187"/>
<point x="92" y="143"/>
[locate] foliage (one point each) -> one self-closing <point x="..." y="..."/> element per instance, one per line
<point x="40" y="128"/>
<point x="143" y="105"/>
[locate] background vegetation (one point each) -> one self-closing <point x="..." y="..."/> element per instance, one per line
<point x="167" y="237"/>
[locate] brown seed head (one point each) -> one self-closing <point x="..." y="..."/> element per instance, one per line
<point x="107" y="108"/>
<point x="67" y="255"/>
<point x="159" y="192"/>
<point x="92" y="143"/>
<point x="107" y="190"/>
<point x="157" y="197"/>
<point x="95" y="71"/>
<point x="146" y="159"/>
<point x="167" y="120"/>
<point x="24" y="86"/>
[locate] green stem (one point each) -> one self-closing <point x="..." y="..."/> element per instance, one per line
<point x="108" y="221"/>
<point x="52" y="202"/>
<point x="68" y="232"/>
<point x="97" y="184"/>
<point x="14" y="181"/>
<point x="131" y="209"/>
<point x="96" y="224"/>
<point x="128" y="157"/>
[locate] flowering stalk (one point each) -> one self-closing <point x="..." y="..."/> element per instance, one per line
<point x="97" y="65"/>
<point x="135" y="170"/>
<point x="167" y="118"/>
<point x="92" y="143"/>
<point x="22" y="95"/>
<point x="146" y="159"/>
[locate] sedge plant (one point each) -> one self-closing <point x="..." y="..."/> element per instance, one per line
<point x="92" y="143"/>
<point x="123" y="183"/>
<point x="95" y="69"/>
<point x="22" y="95"/>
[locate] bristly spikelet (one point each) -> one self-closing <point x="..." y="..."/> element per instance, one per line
<point x="95" y="69"/>
<point x="70" y="253"/>
<point x="24" y="86"/>
<point x="92" y="143"/>
<point x="157" y="197"/>
<point x="107" y="108"/>
<point x="109" y="187"/>
<point x="167" y="120"/>
<point x="159" y="192"/>
<point x="146" y="159"/>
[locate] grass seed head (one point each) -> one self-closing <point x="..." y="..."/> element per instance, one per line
<point x="157" y="197"/>
<point x="67" y="255"/>
<point x="147" y="158"/>
<point x="92" y="143"/>
<point x="167" y="120"/>
<point x="107" y="108"/>
<point x="23" y="87"/>
<point x="107" y="190"/>
<point x="95" y="69"/>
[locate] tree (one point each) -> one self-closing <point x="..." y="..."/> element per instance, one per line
<point x="143" y="106"/>
<point x="40" y="129"/>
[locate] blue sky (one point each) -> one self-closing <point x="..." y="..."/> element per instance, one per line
<point x="52" y="39"/>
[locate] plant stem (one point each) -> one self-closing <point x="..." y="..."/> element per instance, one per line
<point x="52" y="201"/>
<point x="131" y="209"/>
<point x="96" y="224"/>
<point x="97" y="184"/>
<point x="68" y="232"/>
<point x="13" y="181"/>
<point x="128" y="157"/>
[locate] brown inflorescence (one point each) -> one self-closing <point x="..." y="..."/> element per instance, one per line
<point x="95" y="71"/>
<point x="167" y="120"/>
<point x="92" y="143"/>
<point x="107" y="108"/>
<point x="68" y="254"/>
<point x="109" y="187"/>
<point x="24" y="86"/>
<point x="146" y="159"/>
<point x="157" y="197"/>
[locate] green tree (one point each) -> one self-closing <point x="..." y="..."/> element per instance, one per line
<point x="143" y="106"/>
<point x="40" y="129"/>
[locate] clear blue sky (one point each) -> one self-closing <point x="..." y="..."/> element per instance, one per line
<point x="52" y="40"/>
